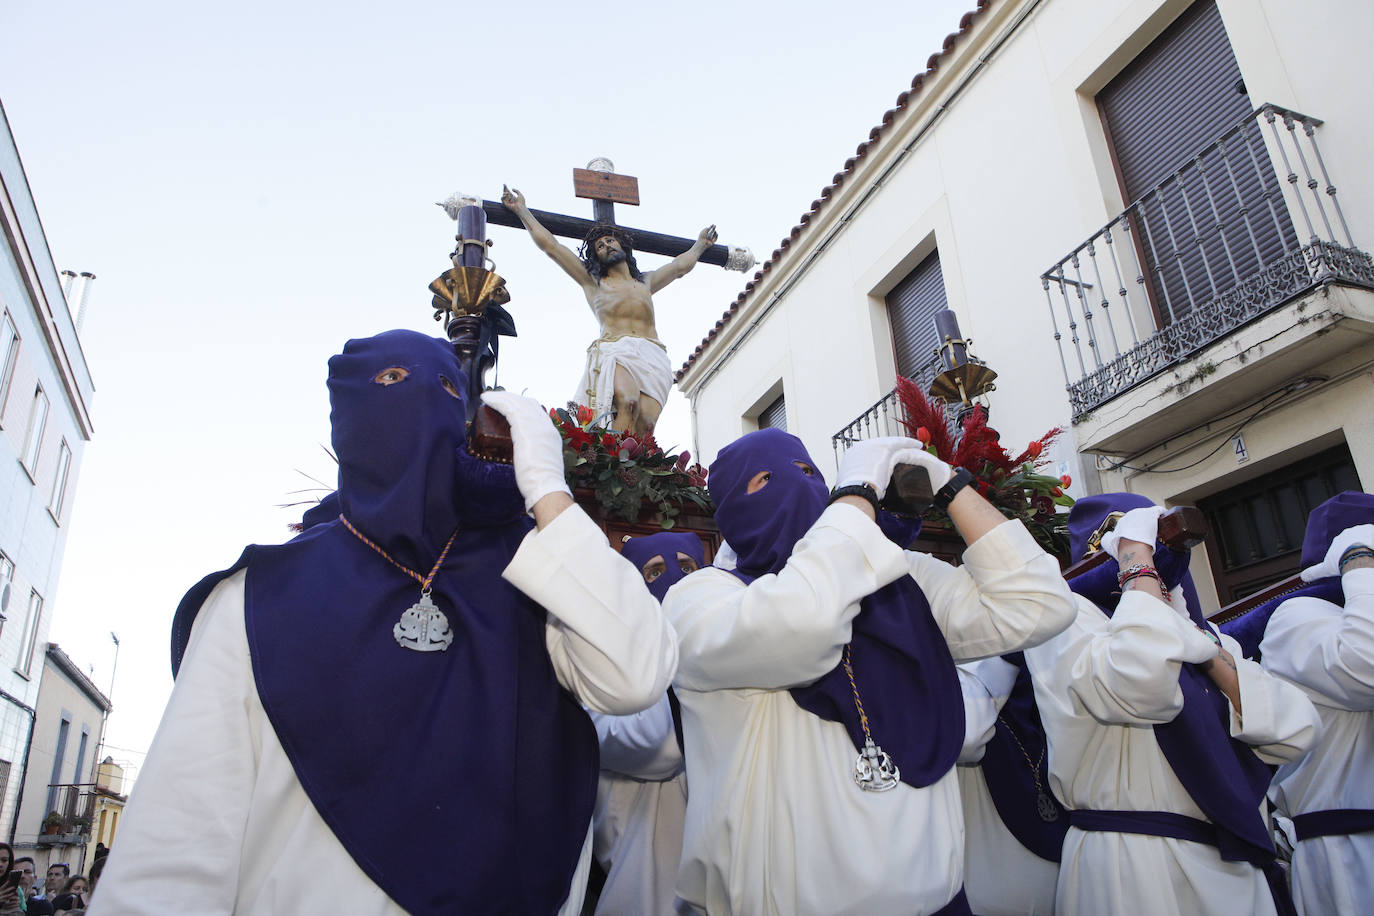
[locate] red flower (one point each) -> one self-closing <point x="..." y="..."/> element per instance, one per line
<point x="577" y="437"/>
<point x="1034" y="449"/>
<point x="1065" y="480"/>
<point x="682" y="460"/>
<point x="553" y="414"/>
<point x="923" y="434"/>
<point x="584" y="415"/>
<point x="630" y="445"/>
<point x="1055" y="491"/>
<point x="608" y="440"/>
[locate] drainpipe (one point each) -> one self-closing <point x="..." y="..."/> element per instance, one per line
<point x="24" y="766"/>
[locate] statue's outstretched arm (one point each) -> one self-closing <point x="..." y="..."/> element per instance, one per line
<point x="563" y="256"/>
<point x="684" y="262"/>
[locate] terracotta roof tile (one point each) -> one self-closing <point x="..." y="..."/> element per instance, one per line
<point x="932" y="65"/>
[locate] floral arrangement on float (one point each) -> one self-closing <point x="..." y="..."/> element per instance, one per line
<point x="1008" y="482"/>
<point x="628" y="474"/>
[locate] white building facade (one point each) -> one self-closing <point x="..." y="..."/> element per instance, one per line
<point x="1149" y="216"/>
<point x="45" y="422"/>
<point x="61" y="805"/>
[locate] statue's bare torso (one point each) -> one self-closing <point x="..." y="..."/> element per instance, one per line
<point x="623" y="307"/>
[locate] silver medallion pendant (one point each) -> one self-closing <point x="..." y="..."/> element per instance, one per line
<point x="423" y="627"/>
<point x="1045" y="807"/>
<point x="874" y="770"/>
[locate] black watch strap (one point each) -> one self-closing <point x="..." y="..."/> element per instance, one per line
<point x="862" y="490"/>
<point x="957" y="482"/>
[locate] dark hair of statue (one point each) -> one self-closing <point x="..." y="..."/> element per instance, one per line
<point x="593" y="264"/>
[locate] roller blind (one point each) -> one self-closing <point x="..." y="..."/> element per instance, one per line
<point x="911" y="308"/>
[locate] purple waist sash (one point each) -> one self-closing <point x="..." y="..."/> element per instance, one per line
<point x="1334" y="822"/>
<point x="1180" y="827"/>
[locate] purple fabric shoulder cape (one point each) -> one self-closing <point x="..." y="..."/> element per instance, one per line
<point x="1342" y="511"/>
<point x="1223" y="776"/>
<point x="1008" y="775"/>
<point x="476" y="748"/>
<point x="902" y="664"/>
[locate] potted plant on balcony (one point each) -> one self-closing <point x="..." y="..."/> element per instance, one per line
<point x="82" y="824"/>
<point x="52" y="823"/>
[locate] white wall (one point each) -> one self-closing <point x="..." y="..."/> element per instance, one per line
<point x="1012" y="175"/>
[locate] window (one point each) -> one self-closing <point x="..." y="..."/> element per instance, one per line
<point x="774" y="415"/>
<point x="1258" y="526"/>
<point x="30" y="637"/>
<point x="6" y="590"/>
<point x="33" y="438"/>
<point x="77" y="775"/>
<point x="1205" y="214"/>
<point x="9" y="347"/>
<point x="58" y="754"/>
<point x="911" y="308"/>
<point x="59" y="483"/>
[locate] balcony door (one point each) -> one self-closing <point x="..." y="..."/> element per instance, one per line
<point x="1207" y="211"/>
<point x="1257" y="527"/>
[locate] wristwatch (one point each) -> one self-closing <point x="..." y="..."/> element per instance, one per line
<point x="862" y="490"/>
<point x="960" y="479"/>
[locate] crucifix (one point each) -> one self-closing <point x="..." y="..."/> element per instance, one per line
<point x="627" y="374"/>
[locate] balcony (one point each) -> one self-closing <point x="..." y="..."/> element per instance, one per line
<point x="68" y="820"/>
<point x="1202" y="261"/>
<point x="885" y="417"/>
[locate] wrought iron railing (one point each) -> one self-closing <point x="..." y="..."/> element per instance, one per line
<point x="74" y="804"/>
<point x="885" y="417"/>
<point x="1210" y="248"/>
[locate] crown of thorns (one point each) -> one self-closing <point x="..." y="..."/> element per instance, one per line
<point x="601" y="230"/>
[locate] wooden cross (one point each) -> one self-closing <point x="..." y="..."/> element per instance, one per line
<point x="604" y="188"/>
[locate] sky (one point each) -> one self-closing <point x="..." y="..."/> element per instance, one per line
<point x="254" y="183"/>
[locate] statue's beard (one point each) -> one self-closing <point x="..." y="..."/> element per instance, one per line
<point x="612" y="258"/>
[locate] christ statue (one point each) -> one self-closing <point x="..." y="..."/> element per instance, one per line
<point x="627" y="366"/>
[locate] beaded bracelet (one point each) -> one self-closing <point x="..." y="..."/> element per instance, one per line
<point x="1131" y="573"/>
<point x="1354" y="552"/>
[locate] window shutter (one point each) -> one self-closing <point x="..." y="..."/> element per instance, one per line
<point x="774" y="415"/>
<point x="911" y="308"/>
<point x="1175" y="99"/>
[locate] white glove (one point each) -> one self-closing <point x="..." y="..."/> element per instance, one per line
<point x="538" y="447"/>
<point x="1330" y="566"/>
<point x="1137" y="525"/>
<point x="872" y="462"/>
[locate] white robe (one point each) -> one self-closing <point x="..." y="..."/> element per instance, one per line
<point x="1329" y="653"/>
<point x="775" y="821"/>
<point x="218" y="822"/>
<point x="1001" y="877"/>
<point x="641" y="803"/>
<point x="1101" y="686"/>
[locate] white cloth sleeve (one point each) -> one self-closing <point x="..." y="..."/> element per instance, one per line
<point x="1122" y="670"/>
<point x="642" y="746"/>
<point x="1276" y="718"/>
<point x="1007" y="596"/>
<point x="986" y="685"/>
<point x="606" y="635"/>
<point x="1331" y="654"/>
<point x="787" y="629"/>
<point x="181" y="837"/>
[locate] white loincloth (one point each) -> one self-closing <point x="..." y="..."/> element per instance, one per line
<point x="644" y="358"/>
